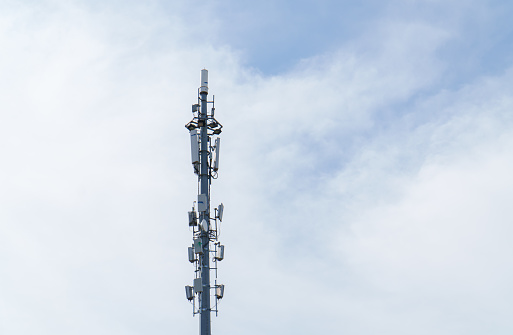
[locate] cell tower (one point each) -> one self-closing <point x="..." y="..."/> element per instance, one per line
<point x="205" y="229"/>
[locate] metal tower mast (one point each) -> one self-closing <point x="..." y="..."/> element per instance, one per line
<point x="205" y="160"/>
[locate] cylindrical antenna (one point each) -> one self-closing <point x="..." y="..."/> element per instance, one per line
<point x="204" y="81"/>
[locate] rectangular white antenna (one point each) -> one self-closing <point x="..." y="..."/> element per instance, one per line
<point x="216" y="158"/>
<point x="189" y="293"/>
<point x="198" y="248"/>
<point x="202" y="203"/>
<point x="194" y="146"/>
<point x="198" y="287"/>
<point x="220" y="210"/>
<point x="220" y="253"/>
<point x="192" y="256"/>
<point x="193" y="220"/>
<point x="220" y="291"/>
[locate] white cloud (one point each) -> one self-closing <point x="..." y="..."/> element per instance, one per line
<point x="359" y="193"/>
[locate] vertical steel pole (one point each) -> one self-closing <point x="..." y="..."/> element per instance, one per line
<point x="204" y="189"/>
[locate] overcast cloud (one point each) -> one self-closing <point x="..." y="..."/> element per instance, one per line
<point x="365" y="168"/>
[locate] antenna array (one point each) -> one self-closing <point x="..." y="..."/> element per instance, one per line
<point x="205" y="146"/>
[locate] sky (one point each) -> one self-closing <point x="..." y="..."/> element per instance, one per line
<point x="365" y="166"/>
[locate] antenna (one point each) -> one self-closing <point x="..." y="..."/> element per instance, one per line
<point x="194" y="150"/>
<point x="193" y="219"/>
<point x="216" y="159"/>
<point x="205" y="235"/>
<point x="220" y="210"/>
